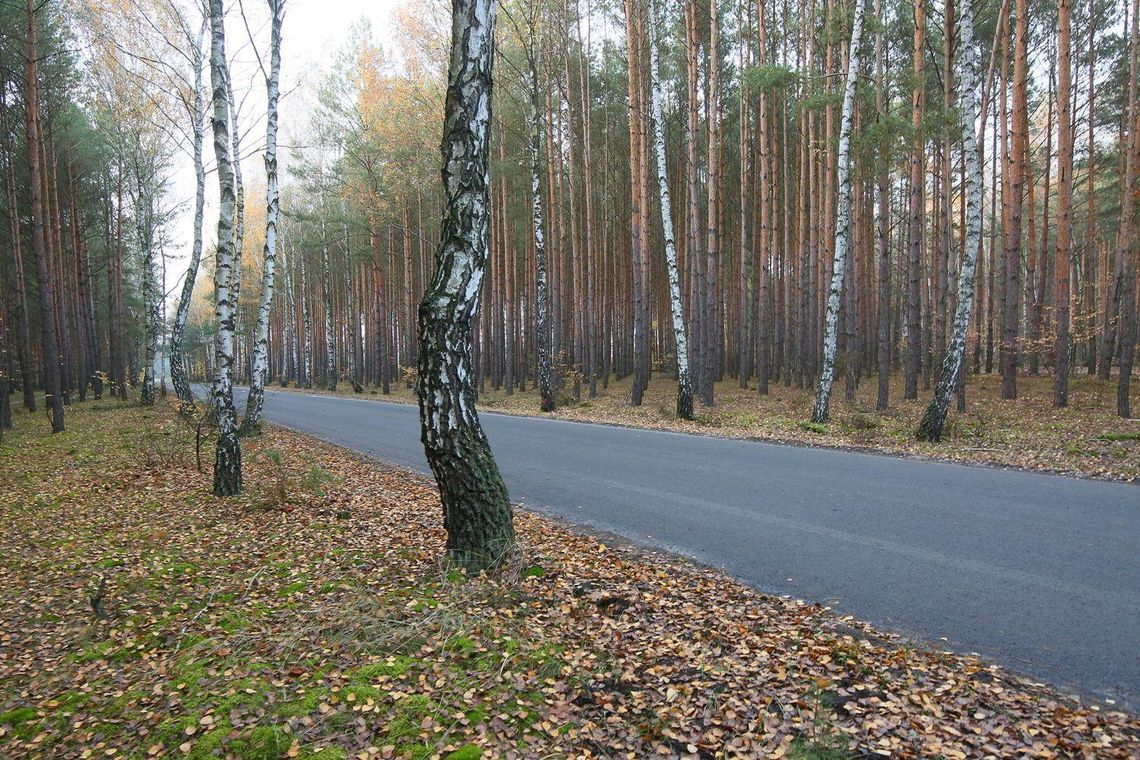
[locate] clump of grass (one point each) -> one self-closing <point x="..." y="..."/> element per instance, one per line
<point x="814" y="427"/>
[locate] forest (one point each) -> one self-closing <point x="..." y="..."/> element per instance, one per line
<point x="856" y="226"/>
<point x="763" y="193"/>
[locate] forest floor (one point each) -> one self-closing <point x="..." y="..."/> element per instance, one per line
<point x="311" y="617"/>
<point x="1086" y="438"/>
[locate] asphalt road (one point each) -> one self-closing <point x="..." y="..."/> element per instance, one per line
<point x="1037" y="572"/>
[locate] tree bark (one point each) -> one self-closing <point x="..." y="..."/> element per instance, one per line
<point x="227" y="457"/>
<point x="177" y="359"/>
<point x="53" y="386"/>
<point x="256" y="398"/>
<point x="657" y="127"/>
<point x="842" y="224"/>
<point x="932" y="423"/>
<point x="1064" y="203"/>
<point x="477" y="509"/>
<point x="914" y="238"/>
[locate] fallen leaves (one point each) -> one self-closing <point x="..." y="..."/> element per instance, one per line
<point x="313" y="620"/>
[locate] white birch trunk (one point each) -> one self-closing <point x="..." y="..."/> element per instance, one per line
<point x="684" y="381"/>
<point x="177" y="360"/>
<point x="227" y="458"/>
<point x="476" y="507"/>
<point x="842" y="222"/>
<point x="239" y="195"/>
<point x="257" y="379"/>
<point x="542" y="323"/>
<point x="307" y="322"/>
<point x="330" y="354"/>
<point x="930" y="428"/>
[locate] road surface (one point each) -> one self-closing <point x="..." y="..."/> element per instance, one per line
<point x="1037" y="572"/>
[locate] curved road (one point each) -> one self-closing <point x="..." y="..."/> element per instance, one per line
<point x="1037" y="572"/>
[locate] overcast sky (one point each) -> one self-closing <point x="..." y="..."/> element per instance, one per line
<point x="313" y="31"/>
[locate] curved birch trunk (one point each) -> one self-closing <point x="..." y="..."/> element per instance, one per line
<point x="930" y="428"/>
<point x="684" y="382"/>
<point x="542" y="323"/>
<point x="842" y="223"/>
<point x="476" y="508"/>
<point x="256" y="398"/>
<point x="227" y="457"/>
<point x="177" y="360"/>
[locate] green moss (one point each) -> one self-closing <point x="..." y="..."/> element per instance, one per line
<point x="463" y="644"/>
<point x="247" y="693"/>
<point x="293" y="588"/>
<point x="303" y="705"/>
<point x="400" y="728"/>
<point x="208" y="744"/>
<point x="172" y="731"/>
<point x="232" y="622"/>
<point x="814" y="427"/>
<point x="1115" y="437"/>
<point x="17" y="717"/>
<point x="263" y="743"/>
<point x="467" y="752"/>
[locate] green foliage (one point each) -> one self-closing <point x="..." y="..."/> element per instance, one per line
<point x="771" y="78"/>
<point x="467" y="752"/>
<point x="814" y="427"/>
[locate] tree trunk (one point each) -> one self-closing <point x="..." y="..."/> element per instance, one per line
<point x="842" y="223"/>
<point x="883" y="214"/>
<point x="227" y="457"/>
<point x="914" y="239"/>
<point x="931" y="426"/>
<point x="1064" y="203"/>
<point x="1128" y="247"/>
<point x="542" y="321"/>
<point x="257" y="379"/>
<point x="53" y="387"/>
<point x="684" y="384"/>
<point x="177" y="360"/>
<point x="477" y="510"/>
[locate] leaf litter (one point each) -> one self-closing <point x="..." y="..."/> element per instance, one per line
<point x="311" y="617"/>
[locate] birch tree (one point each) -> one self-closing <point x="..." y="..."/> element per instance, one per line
<point x="542" y="324"/>
<point x="931" y="425"/>
<point x="657" y="127"/>
<point x="476" y="508"/>
<point x="256" y="398"/>
<point x="227" y="457"/>
<point x="842" y="222"/>
<point x="197" y="114"/>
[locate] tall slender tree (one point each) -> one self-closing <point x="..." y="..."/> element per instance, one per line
<point x="933" y="420"/>
<point x="476" y="507"/>
<point x="819" y="411"/>
<point x="657" y="128"/>
<point x="227" y="456"/>
<point x="256" y="398"/>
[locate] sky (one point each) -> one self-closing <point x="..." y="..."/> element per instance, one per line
<point x="312" y="32"/>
